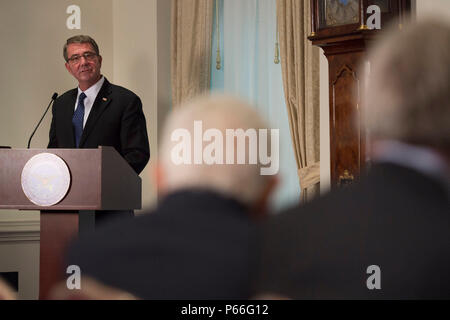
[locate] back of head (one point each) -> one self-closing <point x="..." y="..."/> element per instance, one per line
<point x="408" y="96"/>
<point x="207" y="121"/>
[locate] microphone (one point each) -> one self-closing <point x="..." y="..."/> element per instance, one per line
<point x="54" y="96"/>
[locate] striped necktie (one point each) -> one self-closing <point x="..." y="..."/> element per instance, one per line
<point x="78" y="118"/>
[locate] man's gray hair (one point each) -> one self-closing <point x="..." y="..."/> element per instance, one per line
<point x="241" y="181"/>
<point x="408" y="96"/>
<point x="80" y="39"/>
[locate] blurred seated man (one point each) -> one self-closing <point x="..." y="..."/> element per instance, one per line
<point x="200" y="242"/>
<point x="388" y="236"/>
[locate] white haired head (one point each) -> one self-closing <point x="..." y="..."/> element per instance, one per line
<point x="408" y="96"/>
<point x="243" y="182"/>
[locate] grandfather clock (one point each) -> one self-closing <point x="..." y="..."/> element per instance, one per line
<point x="340" y="28"/>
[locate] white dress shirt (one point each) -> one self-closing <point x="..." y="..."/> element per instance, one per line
<point x="91" y="95"/>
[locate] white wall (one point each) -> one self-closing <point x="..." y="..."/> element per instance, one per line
<point x="141" y="37"/>
<point x="20" y="253"/>
<point x="135" y="65"/>
<point x="324" y="126"/>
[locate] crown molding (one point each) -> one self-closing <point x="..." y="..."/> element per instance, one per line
<point x="23" y="230"/>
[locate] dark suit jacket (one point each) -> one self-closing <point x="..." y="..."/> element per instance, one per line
<point x="397" y="219"/>
<point x="116" y="119"/>
<point x="196" y="245"/>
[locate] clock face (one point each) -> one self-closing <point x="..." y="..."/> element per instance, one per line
<point x="340" y="12"/>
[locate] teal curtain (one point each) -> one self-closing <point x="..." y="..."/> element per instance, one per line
<point x="247" y="31"/>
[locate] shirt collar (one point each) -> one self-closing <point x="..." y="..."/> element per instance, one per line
<point x="419" y="158"/>
<point x="93" y="90"/>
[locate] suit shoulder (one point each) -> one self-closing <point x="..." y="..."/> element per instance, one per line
<point x="67" y="95"/>
<point x="67" y="99"/>
<point x="332" y="210"/>
<point x="123" y="92"/>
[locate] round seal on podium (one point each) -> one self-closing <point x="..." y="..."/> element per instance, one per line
<point x="45" y="179"/>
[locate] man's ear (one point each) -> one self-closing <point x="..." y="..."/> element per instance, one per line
<point x="261" y="206"/>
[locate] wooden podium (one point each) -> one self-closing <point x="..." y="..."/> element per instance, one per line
<point x="100" y="180"/>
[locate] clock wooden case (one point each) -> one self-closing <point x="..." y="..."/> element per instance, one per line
<point x="339" y="28"/>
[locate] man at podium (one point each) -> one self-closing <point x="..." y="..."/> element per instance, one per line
<point x="98" y="113"/>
